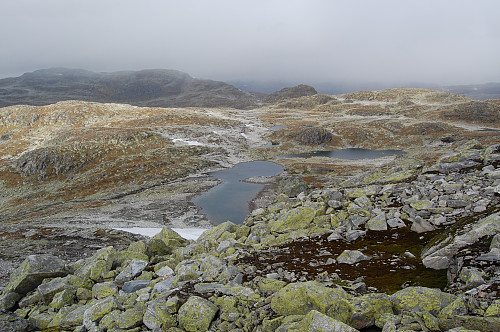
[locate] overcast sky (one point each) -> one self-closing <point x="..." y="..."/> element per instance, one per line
<point x="432" y="41"/>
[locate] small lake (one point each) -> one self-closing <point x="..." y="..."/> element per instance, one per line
<point x="349" y="154"/>
<point x="230" y="199"/>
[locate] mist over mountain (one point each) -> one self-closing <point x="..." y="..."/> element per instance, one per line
<point x="154" y="87"/>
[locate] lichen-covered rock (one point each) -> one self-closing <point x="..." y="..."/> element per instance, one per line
<point x="98" y="310"/>
<point x="472" y="277"/>
<point x="352" y="257"/>
<point x="292" y="186"/>
<point x="131" y="318"/>
<point x="271" y="285"/>
<point x="74" y="317"/>
<point x="300" y="298"/>
<point x="9" y="300"/>
<point x="131" y="271"/>
<point x="493" y="310"/>
<point x="316" y="321"/>
<point x="298" y="218"/>
<point x="104" y="289"/>
<point x="414" y="299"/>
<point x="33" y="270"/>
<point x="197" y="314"/>
<point x="10" y="322"/>
<point x="158" y="316"/>
<point x="478" y="323"/>
<point x="368" y="308"/>
<point x="62" y="299"/>
<point x="95" y="269"/>
<point x="377" y="223"/>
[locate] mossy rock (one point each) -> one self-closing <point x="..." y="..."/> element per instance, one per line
<point x="33" y="270"/>
<point x="271" y="285"/>
<point x="157" y="316"/>
<point x="418" y="299"/>
<point x="104" y="289"/>
<point x="197" y="314"/>
<point x="300" y="298"/>
<point x="298" y="218"/>
<point x="62" y="299"/>
<point x="368" y="308"/>
<point x="316" y="321"/>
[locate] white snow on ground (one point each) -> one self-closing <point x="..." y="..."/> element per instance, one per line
<point x="186" y="141"/>
<point x="187" y="233"/>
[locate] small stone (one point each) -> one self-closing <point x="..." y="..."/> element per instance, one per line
<point x="472" y="277"/>
<point x="377" y="223"/>
<point x="396" y="223"/>
<point x="352" y="257"/>
<point x="165" y="271"/>
<point x="421" y="226"/>
<point x="353" y="235"/>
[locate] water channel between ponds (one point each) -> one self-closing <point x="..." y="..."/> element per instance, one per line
<point x="230" y="199"/>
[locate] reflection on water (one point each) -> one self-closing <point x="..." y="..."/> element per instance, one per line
<point x="230" y="199"/>
<point x="349" y="154"/>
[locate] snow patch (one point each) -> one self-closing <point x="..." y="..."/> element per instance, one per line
<point x="187" y="233"/>
<point x="186" y="141"/>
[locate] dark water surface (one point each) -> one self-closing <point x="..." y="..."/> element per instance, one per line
<point x="230" y="199"/>
<point x="350" y="154"/>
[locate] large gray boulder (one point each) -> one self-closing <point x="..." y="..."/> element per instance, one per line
<point x="33" y="270"/>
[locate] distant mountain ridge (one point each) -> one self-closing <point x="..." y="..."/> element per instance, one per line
<point x="153" y="87"/>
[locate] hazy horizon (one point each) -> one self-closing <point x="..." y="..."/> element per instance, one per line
<point x="386" y="42"/>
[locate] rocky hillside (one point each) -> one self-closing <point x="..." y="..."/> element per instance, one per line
<point x="343" y="258"/>
<point x="158" y="88"/>
<point x="406" y="242"/>
<point x="289" y="93"/>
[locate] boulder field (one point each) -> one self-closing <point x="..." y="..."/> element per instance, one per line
<point x="413" y="248"/>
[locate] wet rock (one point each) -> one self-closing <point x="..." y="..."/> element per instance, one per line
<point x="33" y="270"/>
<point x="197" y="314"/>
<point x="352" y="257"/>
